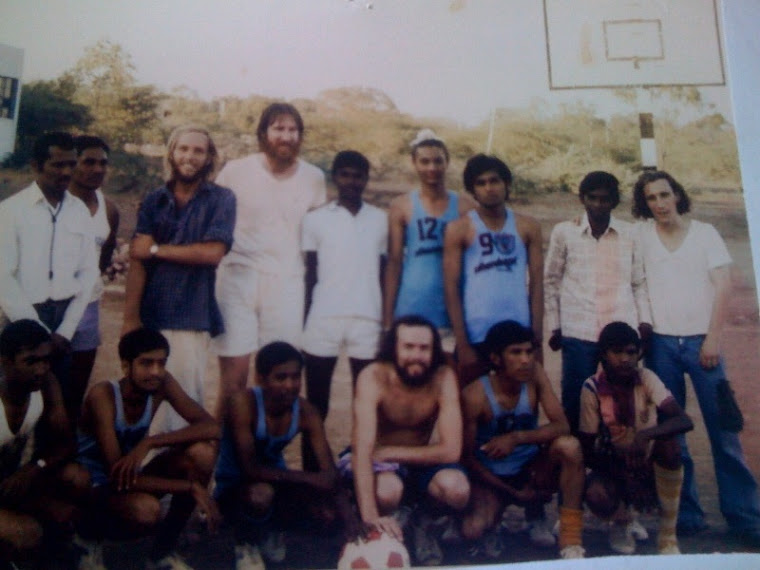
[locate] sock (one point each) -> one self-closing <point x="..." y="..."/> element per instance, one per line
<point x="570" y="526"/>
<point x="668" y="483"/>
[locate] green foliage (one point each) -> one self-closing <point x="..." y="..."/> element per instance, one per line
<point x="46" y="106"/>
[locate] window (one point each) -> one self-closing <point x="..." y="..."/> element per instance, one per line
<point x="8" y="90"/>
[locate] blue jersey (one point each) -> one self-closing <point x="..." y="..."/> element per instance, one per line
<point x="421" y="289"/>
<point x="268" y="447"/>
<point x="520" y="418"/>
<point x="494" y="278"/>
<point x="128" y="436"/>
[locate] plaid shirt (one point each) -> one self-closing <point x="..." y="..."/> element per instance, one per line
<point x="181" y="296"/>
<point x="589" y="283"/>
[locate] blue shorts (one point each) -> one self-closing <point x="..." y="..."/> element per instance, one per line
<point x="87" y="335"/>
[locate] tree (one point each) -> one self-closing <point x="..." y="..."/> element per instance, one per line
<point x="104" y="81"/>
<point x="46" y="106"/>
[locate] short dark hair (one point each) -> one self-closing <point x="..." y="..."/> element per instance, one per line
<point x="139" y="341"/>
<point x="435" y="143"/>
<point x="270" y="114"/>
<point x="506" y="333"/>
<point x="481" y="163"/>
<point x="617" y="334"/>
<point x="41" y="147"/>
<point x="640" y="208"/>
<point x="600" y="179"/>
<point x="274" y="354"/>
<point x="24" y="334"/>
<point x="83" y="142"/>
<point x="389" y="343"/>
<point x="350" y="159"/>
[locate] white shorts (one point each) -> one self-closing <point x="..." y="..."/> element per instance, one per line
<point x="188" y="356"/>
<point x="324" y="336"/>
<point x="257" y="308"/>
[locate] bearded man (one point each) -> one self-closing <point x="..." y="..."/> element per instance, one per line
<point x="400" y="398"/>
<point x="184" y="228"/>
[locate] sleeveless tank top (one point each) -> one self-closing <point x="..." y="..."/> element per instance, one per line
<point x="128" y="436"/>
<point x="421" y="288"/>
<point x="268" y="447"/>
<point x="503" y="421"/>
<point x="16" y="448"/>
<point x="494" y="278"/>
<point x="101" y="228"/>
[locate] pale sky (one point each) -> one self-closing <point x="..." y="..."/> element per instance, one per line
<point x="455" y="59"/>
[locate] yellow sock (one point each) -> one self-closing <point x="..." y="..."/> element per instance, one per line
<point x="668" y="483"/>
<point x="570" y="526"/>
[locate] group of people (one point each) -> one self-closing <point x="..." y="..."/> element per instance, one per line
<point x="439" y="305"/>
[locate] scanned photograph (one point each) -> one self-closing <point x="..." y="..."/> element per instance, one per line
<point x="372" y="284"/>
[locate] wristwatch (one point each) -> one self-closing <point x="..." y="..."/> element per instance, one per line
<point x="153" y="250"/>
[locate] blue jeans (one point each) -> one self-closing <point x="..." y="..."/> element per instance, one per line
<point x="579" y="361"/>
<point x="671" y="357"/>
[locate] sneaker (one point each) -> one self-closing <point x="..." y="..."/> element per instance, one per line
<point x="273" y="546"/>
<point x="427" y="552"/>
<point x="171" y="561"/>
<point x="668" y="546"/>
<point x="91" y="557"/>
<point x="247" y="557"/>
<point x="493" y="545"/>
<point x="448" y="530"/>
<point x="572" y="551"/>
<point x="637" y="529"/>
<point x="621" y="540"/>
<point x="541" y="535"/>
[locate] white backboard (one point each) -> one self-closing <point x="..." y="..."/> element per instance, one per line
<point x="626" y="43"/>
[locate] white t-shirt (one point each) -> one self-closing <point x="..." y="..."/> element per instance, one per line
<point x="348" y="259"/>
<point x="102" y="230"/>
<point x="269" y="213"/>
<point x="680" y="291"/>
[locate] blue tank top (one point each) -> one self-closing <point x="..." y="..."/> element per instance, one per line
<point x="521" y="417"/>
<point x="421" y="289"/>
<point x="494" y="278"/>
<point x="128" y="436"/>
<point x="268" y="447"/>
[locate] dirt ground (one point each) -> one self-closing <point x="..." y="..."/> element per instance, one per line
<point x="740" y="346"/>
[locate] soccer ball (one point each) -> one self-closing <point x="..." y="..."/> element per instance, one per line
<point x="378" y="550"/>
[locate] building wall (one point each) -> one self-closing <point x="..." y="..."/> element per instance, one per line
<point x="11" y="66"/>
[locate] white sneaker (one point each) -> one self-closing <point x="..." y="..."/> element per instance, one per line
<point x="621" y="540"/>
<point x="247" y="557"/>
<point x="541" y="535"/>
<point x="572" y="551"/>
<point x="92" y="554"/>
<point x="273" y="546"/>
<point x="637" y="529"/>
<point x="171" y="561"/>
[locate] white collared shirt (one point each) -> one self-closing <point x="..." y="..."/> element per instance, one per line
<point x="29" y="273"/>
<point x="591" y="282"/>
<point x="348" y="259"/>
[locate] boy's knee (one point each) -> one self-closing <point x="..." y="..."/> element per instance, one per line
<point x="21" y="534"/>
<point x="450" y="487"/>
<point x="202" y="458"/>
<point x="259" y="498"/>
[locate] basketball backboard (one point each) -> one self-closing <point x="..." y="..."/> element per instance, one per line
<point x="632" y="43"/>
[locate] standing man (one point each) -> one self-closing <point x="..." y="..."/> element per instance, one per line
<point x="261" y="287"/>
<point x="594" y="274"/>
<point x="38" y="487"/>
<point x="344" y="244"/>
<point x="399" y="400"/>
<point x="47" y="258"/>
<point x="417" y="221"/>
<point x="492" y="266"/>
<point x="688" y="276"/>
<point x="183" y="230"/>
<point x="86" y="180"/>
<point x="509" y="457"/>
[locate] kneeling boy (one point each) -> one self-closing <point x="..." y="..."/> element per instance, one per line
<point x="253" y="484"/>
<point x="508" y="456"/>
<point x="114" y="442"/>
<point x="628" y="425"/>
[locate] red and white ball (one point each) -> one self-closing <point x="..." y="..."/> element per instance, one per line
<point x="378" y="550"/>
